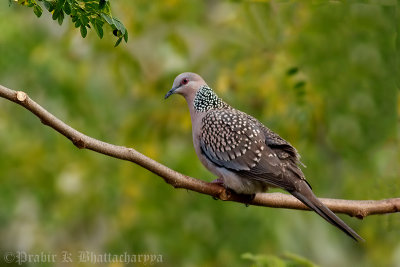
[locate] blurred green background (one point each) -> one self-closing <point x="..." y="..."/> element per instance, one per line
<point x="322" y="75"/>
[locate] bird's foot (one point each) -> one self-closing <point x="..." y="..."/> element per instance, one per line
<point x="218" y="181"/>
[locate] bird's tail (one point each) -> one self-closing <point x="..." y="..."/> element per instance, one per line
<point x="306" y="196"/>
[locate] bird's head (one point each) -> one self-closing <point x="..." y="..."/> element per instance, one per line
<point x="186" y="84"/>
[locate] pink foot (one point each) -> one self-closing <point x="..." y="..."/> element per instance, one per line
<point x="218" y="181"/>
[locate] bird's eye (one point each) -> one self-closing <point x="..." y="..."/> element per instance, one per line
<point x="184" y="81"/>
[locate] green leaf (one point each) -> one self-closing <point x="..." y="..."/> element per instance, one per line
<point x="83" y="31"/>
<point x="59" y="4"/>
<point x="78" y="23"/>
<point x="61" y="18"/>
<point x="56" y="13"/>
<point x="126" y="36"/>
<point x="107" y="18"/>
<point x="119" y="26"/>
<point x="118" y="42"/>
<point x="102" y="4"/>
<point x="91" y="6"/>
<point x="67" y="8"/>
<point x="37" y="10"/>
<point x="84" y="20"/>
<point x="98" y="27"/>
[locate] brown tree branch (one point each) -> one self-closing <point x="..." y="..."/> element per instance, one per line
<point x="357" y="208"/>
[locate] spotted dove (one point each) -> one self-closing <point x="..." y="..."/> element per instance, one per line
<point x="245" y="155"/>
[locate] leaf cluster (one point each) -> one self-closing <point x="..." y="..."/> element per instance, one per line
<point x="84" y="14"/>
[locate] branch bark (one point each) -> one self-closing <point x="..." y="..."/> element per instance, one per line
<point x="357" y="208"/>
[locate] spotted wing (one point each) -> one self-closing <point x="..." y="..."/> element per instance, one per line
<point x="230" y="139"/>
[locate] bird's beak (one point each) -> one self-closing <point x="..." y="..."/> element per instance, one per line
<point x="170" y="92"/>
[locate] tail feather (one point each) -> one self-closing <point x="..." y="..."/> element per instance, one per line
<point x="306" y="196"/>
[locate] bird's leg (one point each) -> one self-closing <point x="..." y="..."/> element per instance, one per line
<point x="246" y="197"/>
<point x="229" y="192"/>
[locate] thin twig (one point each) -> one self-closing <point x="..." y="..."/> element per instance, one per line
<point x="357" y="208"/>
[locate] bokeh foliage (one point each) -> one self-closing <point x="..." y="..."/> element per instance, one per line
<point x="323" y="75"/>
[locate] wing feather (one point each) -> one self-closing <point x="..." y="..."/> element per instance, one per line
<point x="240" y="143"/>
